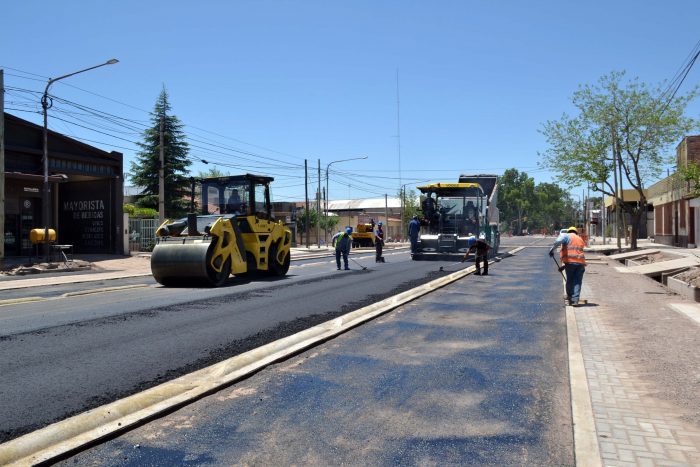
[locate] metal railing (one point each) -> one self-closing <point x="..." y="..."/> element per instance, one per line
<point x="142" y="234"/>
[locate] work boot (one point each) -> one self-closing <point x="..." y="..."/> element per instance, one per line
<point x="347" y="268"/>
<point x="338" y="269"/>
<point x="477" y="273"/>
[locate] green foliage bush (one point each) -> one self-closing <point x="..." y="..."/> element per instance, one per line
<point x="133" y="211"/>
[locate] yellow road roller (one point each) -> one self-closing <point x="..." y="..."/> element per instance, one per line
<point x="235" y="233"/>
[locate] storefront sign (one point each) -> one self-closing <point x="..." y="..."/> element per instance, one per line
<point x="85" y="216"/>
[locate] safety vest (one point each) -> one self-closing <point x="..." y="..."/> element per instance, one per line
<point x="573" y="252"/>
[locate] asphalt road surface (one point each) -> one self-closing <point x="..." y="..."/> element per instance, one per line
<point x="66" y="354"/>
<point x="473" y="374"/>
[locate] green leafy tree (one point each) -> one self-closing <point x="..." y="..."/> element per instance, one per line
<point x="213" y="172"/>
<point x="553" y="208"/>
<point x="144" y="170"/>
<point x="411" y="207"/>
<point x="329" y="223"/>
<point x="302" y="215"/>
<point x="516" y="195"/>
<point x="621" y="125"/>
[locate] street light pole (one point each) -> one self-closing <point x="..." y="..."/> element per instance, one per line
<point x="45" y="199"/>
<point x="328" y="197"/>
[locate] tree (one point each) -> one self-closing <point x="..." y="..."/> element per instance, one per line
<point x="621" y="126"/>
<point x="213" y="172"/>
<point x="411" y="207"/>
<point x="144" y="170"/>
<point x="516" y="195"/>
<point x="554" y="208"/>
<point x="302" y="215"/>
<point x="329" y="223"/>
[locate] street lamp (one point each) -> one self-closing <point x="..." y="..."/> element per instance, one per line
<point x="45" y="189"/>
<point x="327" y="167"/>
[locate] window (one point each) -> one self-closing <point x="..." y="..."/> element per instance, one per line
<point x="261" y="204"/>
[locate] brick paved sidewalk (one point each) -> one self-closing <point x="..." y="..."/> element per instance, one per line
<point x="642" y="361"/>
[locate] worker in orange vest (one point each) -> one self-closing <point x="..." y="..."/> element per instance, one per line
<point x="573" y="262"/>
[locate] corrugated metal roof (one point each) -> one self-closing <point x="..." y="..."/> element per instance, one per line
<point x="133" y="190"/>
<point x="359" y="204"/>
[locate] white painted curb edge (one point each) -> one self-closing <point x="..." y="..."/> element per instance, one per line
<point x="68" y="435"/>
<point x="586" y="450"/>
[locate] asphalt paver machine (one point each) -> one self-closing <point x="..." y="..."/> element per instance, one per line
<point x="235" y="233"/>
<point x="454" y="211"/>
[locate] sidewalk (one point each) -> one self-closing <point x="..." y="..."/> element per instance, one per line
<point x="641" y="359"/>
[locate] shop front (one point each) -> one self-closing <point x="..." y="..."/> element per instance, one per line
<point x="85" y="191"/>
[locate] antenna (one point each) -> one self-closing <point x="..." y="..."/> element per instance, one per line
<point x="398" y="124"/>
<point x="398" y="147"/>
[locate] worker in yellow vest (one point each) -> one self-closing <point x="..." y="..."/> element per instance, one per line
<point x="573" y="262"/>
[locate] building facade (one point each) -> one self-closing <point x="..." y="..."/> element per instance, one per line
<point x="676" y="210"/>
<point x="85" y="191"/>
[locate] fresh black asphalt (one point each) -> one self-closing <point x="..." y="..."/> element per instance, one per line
<point x="64" y="356"/>
<point x="474" y="374"/>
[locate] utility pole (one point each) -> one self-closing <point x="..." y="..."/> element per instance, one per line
<point x="623" y="223"/>
<point x="398" y="148"/>
<point x="318" y="206"/>
<point x="617" y="207"/>
<point x="386" y="212"/>
<point x="325" y="203"/>
<point x="161" y="172"/>
<point x="402" y="193"/>
<point x="2" y="165"/>
<point x="306" y="192"/>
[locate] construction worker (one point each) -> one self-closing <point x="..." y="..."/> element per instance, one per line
<point x="573" y="262"/>
<point x="413" y="233"/>
<point x="233" y="205"/>
<point x="379" y="242"/>
<point x="342" y="242"/>
<point x="481" y="253"/>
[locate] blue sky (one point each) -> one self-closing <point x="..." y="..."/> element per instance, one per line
<point x="269" y="83"/>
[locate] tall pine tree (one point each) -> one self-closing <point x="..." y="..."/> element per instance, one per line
<point x="144" y="171"/>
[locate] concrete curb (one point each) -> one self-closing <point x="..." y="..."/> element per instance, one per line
<point x="64" y="437"/>
<point x="586" y="450"/>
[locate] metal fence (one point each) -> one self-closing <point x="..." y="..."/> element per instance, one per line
<point x="142" y="234"/>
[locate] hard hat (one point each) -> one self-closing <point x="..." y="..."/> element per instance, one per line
<point x="572" y="229"/>
<point x="415" y="217"/>
<point x="380" y="223"/>
<point x="348" y="230"/>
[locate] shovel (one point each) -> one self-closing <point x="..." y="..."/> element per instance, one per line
<point x="558" y="268"/>
<point x="581" y="302"/>
<point x="364" y="268"/>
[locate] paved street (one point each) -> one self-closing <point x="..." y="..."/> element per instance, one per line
<point x="475" y="373"/>
<point x="65" y="355"/>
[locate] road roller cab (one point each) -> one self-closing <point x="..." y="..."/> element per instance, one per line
<point x="236" y="233"/>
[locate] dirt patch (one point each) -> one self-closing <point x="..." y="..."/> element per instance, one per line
<point x="38" y="268"/>
<point x="691" y="276"/>
<point x="652" y="258"/>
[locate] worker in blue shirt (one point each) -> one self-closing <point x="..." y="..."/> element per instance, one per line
<point x="413" y="233"/>
<point x="379" y="242"/>
<point x="342" y="241"/>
